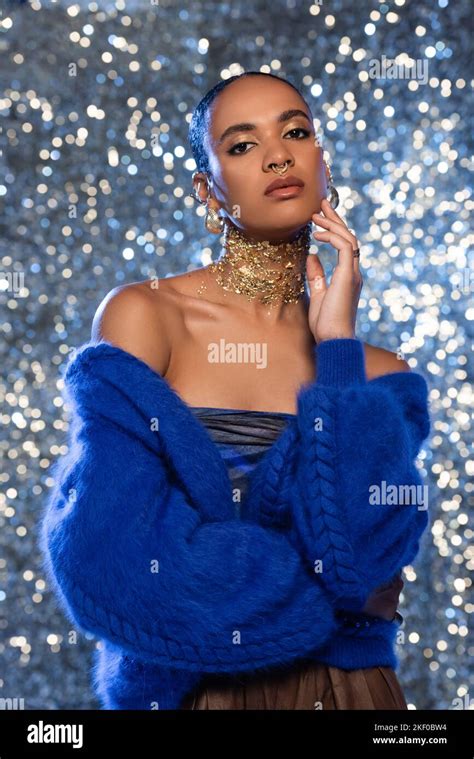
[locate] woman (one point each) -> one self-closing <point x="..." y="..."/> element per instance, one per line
<point x="206" y="336"/>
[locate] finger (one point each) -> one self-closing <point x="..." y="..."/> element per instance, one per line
<point x="343" y="246"/>
<point x="317" y="286"/>
<point x="315" y="276"/>
<point x="356" y="258"/>
<point x="333" y="216"/>
<point x="329" y="211"/>
<point x="334" y="226"/>
<point x="356" y="264"/>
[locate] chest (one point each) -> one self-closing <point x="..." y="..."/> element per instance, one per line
<point x="235" y="368"/>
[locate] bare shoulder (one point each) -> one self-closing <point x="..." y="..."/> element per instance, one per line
<point x="146" y="318"/>
<point x="379" y="361"/>
<point x="137" y="318"/>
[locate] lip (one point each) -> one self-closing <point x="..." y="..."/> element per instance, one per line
<point x="290" y="182"/>
<point x="286" y="192"/>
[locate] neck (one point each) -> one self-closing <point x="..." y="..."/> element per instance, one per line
<point x="268" y="275"/>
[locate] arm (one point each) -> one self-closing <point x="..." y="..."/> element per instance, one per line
<point x="356" y="509"/>
<point x="357" y="503"/>
<point x="133" y="562"/>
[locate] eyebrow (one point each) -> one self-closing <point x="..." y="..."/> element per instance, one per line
<point x="246" y="127"/>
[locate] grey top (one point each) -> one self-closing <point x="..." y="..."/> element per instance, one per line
<point x="242" y="438"/>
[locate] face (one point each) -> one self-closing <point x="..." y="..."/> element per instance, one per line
<point x="241" y="158"/>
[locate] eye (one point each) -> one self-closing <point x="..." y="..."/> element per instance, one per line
<point x="233" y="150"/>
<point x="299" y="129"/>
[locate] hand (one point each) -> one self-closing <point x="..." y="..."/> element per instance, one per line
<point x="383" y="601"/>
<point x="332" y="310"/>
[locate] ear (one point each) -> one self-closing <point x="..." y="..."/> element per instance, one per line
<point x="200" y="188"/>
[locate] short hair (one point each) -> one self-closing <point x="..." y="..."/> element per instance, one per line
<point x="198" y="125"/>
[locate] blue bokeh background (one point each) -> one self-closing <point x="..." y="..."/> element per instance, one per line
<point x="95" y="173"/>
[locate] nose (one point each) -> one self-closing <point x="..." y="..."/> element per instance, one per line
<point x="283" y="167"/>
<point x="278" y="156"/>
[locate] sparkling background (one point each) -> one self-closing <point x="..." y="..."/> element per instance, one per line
<point x="95" y="170"/>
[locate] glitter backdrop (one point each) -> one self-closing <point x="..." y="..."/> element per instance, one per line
<point x="96" y="100"/>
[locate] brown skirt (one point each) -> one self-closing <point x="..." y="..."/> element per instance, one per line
<point x="307" y="686"/>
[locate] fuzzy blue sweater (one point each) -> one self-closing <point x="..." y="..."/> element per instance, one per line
<point x="143" y="547"/>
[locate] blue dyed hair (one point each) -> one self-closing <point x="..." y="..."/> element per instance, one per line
<point x="199" y="125"/>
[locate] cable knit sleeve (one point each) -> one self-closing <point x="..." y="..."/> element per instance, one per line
<point x="132" y="560"/>
<point x="355" y="505"/>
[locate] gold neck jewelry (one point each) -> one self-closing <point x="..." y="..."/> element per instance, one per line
<point x="246" y="267"/>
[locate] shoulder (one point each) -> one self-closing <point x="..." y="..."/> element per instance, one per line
<point x="122" y="306"/>
<point x="146" y="318"/>
<point x="138" y="318"/>
<point x="379" y="361"/>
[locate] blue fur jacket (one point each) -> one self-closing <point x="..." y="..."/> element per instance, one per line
<point x="144" y="549"/>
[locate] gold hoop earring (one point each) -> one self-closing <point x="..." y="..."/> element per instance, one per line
<point x="214" y="222"/>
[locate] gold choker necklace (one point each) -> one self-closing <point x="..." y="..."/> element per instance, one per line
<point x="244" y="267"/>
